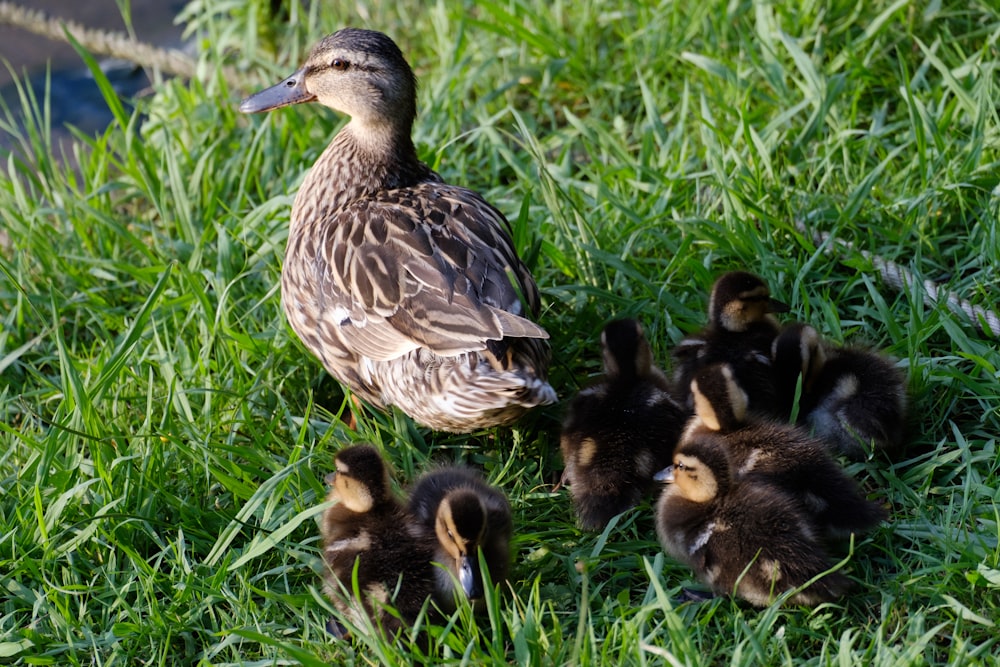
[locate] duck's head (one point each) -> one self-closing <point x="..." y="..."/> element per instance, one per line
<point x="361" y="73"/>
<point x="719" y="401"/>
<point x="360" y="480"/>
<point x="740" y="299"/>
<point x="626" y="350"/>
<point x="460" y="526"/>
<point x="798" y="350"/>
<point x="700" y="472"/>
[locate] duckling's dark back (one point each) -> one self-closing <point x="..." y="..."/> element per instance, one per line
<point x="859" y="396"/>
<point x="771" y="547"/>
<point x="620" y="431"/>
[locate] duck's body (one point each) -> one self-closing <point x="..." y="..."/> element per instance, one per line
<point x="369" y="532"/>
<point x="408" y="289"/>
<point x="852" y="398"/>
<point x="741" y="329"/>
<point x="459" y="514"/>
<point x="743" y="537"/>
<point x="779" y="453"/>
<point x="620" y="431"/>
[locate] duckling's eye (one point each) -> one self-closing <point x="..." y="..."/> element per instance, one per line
<point x="340" y="64"/>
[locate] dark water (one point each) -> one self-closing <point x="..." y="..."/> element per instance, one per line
<point x="74" y="96"/>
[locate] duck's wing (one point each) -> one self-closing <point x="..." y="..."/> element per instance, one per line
<point x="431" y="266"/>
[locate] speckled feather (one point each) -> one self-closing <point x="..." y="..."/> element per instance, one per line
<point x="400" y="283"/>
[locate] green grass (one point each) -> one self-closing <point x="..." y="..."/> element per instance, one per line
<point x="164" y="436"/>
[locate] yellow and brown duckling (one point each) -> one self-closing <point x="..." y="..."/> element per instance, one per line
<point x="620" y="431"/>
<point x="369" y="531"/>
<point x="741" y="536"/>
<point x="459" y="515"/>
<point x="741" y="328"/>
<point x="852" y="398"/>
<point x="408" y="289"/>
<point x="782" y="454"/>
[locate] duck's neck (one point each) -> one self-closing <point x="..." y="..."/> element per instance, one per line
<point x="361" y="161"/>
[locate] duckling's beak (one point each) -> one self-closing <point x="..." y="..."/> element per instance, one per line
<point x="290" y="91"/>
<point x="469" y="579"/>
<point x="773" y="305"/>
<point x="665" y="475"/>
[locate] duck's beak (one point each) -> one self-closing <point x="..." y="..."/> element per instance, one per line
<point x="290" y="91"/>
<point x="665" y="475"/>
<point x="773" y="305"/>
<point x="469" y="579"/>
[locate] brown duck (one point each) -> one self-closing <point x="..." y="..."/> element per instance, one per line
<point x="408" y="289"/>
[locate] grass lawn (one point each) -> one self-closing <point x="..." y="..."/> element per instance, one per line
<point x="164" y="436"/>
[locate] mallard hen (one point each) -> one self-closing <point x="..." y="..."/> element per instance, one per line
<point x="408" y="289"/>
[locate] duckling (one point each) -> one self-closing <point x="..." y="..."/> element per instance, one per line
<point x="408" y="289"/>
<point x="741" y="536"/>
<point x="783" y="454"/>
<point x="852" y="398"/>
<point x="620" y="431"/>
<point x="368" y="533"/>
<point x="797" y="358"/>
<point x="741" y="328"/>
<point x="459" y="514"/>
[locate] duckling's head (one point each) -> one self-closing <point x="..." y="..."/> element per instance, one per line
<point x="700" y="472"/>
<point x="460" y="526"/>
<point x="740" y="299"/>
<point x="719" y="401"/>
<point x="798" y="350"/>
<point x="361" y="73"/>
<point x="626" y="351"/>
<point x="360" y="480"/>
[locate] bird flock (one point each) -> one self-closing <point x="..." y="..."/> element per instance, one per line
<point x="410" y="292"/>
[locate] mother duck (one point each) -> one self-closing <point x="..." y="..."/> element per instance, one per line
<point x="408" y="289"/>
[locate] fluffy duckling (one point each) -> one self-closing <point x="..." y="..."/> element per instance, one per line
<point x="852" y="398"/>
<point x="741" y="328"/>
<point x="409" y="290"/>
<point x="369" y="529"/>
<point x="460" y="514"/>
<point x="619" y="432"/>
<point x="783" y="454"/>
<point x="744" y="537"/>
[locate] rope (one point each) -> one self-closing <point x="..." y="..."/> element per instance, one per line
<point x="985" y="320"/>
<point x="104" y="43"/>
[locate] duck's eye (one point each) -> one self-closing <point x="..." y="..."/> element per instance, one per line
<point x="340" y="64"/>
